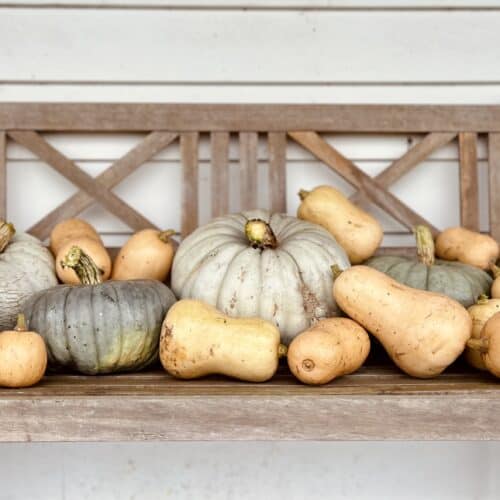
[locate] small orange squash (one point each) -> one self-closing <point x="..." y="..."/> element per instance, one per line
<point x="71" y="229"/>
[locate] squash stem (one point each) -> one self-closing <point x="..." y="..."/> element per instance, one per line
<point x="7" y="231"/>
<point x="85" y="268"/>
<point x="336" y="271"/>
<point x="425" y="245"/>
<point x="480" y="345"/>
<point x="495" y="270"/>
<point x="303" y="194"/>
<point x="165" y="235"/>
<point x="482" y="299"/>
<point x="21" y="323"/>
<point x="282" y="350"/>
<point x="260" y="234"/>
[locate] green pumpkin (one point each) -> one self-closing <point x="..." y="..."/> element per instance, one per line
<point x="459" y="281"/>
<point x="99" y="327"/>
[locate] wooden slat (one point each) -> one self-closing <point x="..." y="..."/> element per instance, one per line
<point x="277" y="171"/>
<point x="189" y="155"/>
<point x="469" y="191"/>
<point x="3" y="175"/>
<point x="352" y="174"/>
<point x="248" y="117"/>
<point x="39" y="146"/>
<point x="494" y="183"/>
<point x="248" y="170"/>
<point x="112" y="176"/>
<point x="220" y="173"/>
<point x="419" y="152"/>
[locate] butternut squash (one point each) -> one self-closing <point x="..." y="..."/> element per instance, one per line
<point x="480" y="313"/>
<point x="71" y="229"/>
<point x="356" y="231"/>
<point x="329" y="349"/>
<point x="469" y="247"/>
<point x="488" y="344"/>
<point x="148" y="254"/>
<point x="198" y="340"/>
<point x="423" y="332"/>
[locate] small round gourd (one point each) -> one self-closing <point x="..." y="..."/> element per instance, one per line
<point x="255" y="264"/>
<point x="26" y="267"/>
<point x="23" y="356"/>
<point x="99" y="327"/>
<point x="458" y="281"/>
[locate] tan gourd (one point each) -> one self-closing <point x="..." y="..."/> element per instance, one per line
<point x="488" y="345"/>
<point x="480" y="313"/>
<point x="357" y="231"/>
<point x="23" y="356"/>
<point x="94" y="249"/>
<point x="329" y="349"/>
<point x="71" y="229"/>
<point x="198" y="340"/>
<point x="423" y="332"/>
<point x="148" y="254"/>
<point x="469" y="247"/>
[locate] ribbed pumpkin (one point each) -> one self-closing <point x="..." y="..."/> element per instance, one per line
<point x="99" y="327"/>
<point x="257" y="264"/>
<point x="26" y="267"/>
<point x="459" y="281"/>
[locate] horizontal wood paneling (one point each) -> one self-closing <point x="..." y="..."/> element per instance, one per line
<point x="249" y="46"/>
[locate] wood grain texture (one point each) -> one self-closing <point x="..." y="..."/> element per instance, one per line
<point x="248" y="117"/>
<point x="356" y="177"/>
<point x="39" y="146"/>
<point x="277" y="171"/>
<point x="112" y="176"/>
<point x="375" y="403"/>
<point x="248" y="170"/>
<point x="190" y="181"/>
<point x="469" y="190"/>
<point x="3" y="175"/>
<point x="494" y="183"/>
<point x="219" y="142"/>
<point x="418" y="153"/>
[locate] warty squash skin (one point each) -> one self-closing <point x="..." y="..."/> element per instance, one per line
<point x="423" y="332"/>
<point x="488" y="345"/>
<point x="480" y="313"/>
<point x="255" y="264"/>
<point x="358" y="232"/>
<point x="461" y="282"/>
<point x="26" y="267"/>
<point x="469" y="247"/>
<point x="71" y="229"/>
<point x="198" y="340"/>
<point x="329" y="349"/>
<point x="97" y="328"/>
<point x="148" y="254"/>
<point x="23" y="356"/>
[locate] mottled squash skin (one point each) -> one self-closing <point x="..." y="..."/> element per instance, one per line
<point x="109" y="327"/>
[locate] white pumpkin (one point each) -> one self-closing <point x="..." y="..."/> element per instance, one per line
<point x="257" y="264"/>
<point x="26" y="267"/>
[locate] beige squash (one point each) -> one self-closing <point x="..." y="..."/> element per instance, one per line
<point x="469" y="247"/>
<point x="357" y="231"/>
<point x="71" y="229"/>
<point x="329" y="349"/>
<point x="198" y="340"/>
<point x="148" y="254"/>
<point x="488" y="345"/>
<point x="23" y="356"/>
<point x="423" y="332"/>
<point x="480" y="313"/>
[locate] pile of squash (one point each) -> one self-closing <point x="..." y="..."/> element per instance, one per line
<point x="246" y="290"/>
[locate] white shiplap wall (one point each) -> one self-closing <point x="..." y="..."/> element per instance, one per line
<point x="331" y="51"/>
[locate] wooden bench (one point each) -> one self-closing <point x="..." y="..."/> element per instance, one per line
<point x="379" y="402"/>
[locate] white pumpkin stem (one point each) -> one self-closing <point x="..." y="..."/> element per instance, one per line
<point x="303" y="194"/>
<point x="480" y="345"/>
<point x="165" y="235"/>
<point x="85" y="268"/>
<point x="260" y="234"/>
<point x="21" y="323"/>
<point x="425" y="245"/>
<point x="7" y="231"/>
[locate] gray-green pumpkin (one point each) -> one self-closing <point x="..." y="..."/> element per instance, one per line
<point x="26" y="267"/>
<point x="99" y="327"/>
<point x="459" y="281"/>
